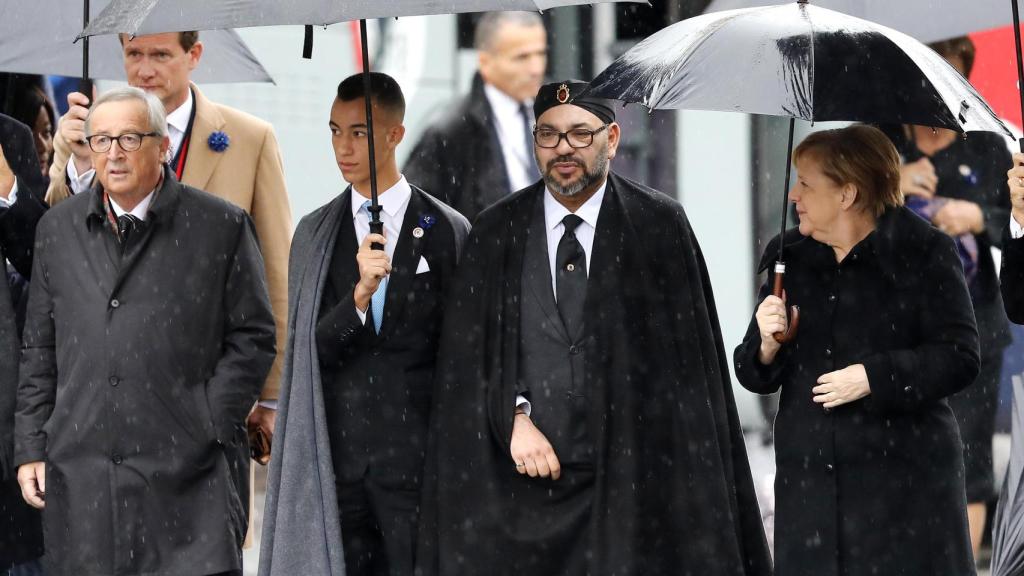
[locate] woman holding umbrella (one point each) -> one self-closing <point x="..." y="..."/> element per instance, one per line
<point x="870" y="476"/>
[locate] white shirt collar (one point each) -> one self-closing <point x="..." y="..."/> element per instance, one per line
<point x="502" y="104"/>
<point x="554" y="212"/>
<point x="141" y="209"/>
<point x="391" y="200"/>
<point x="181" y="115"/>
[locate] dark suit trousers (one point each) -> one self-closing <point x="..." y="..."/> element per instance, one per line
<point x="378" y="528"/>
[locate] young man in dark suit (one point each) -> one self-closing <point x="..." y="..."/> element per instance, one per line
<point x="359" y="366"/>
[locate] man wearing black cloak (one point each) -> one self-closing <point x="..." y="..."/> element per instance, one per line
<point x="584" y="422"/>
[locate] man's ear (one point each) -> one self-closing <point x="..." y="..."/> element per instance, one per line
<point x="395" y="135"/>
<point x="194" y="54"/>
<point x="614" y="133"/>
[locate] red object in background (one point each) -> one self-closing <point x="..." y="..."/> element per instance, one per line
<point x="357" y="44"/>
<point x="995" y="72"/>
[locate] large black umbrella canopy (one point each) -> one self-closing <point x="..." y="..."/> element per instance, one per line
<point x="926" y="20"/>
<point x="796" y="60"/>
<point x="1007" y="552"/>
<point x="152" y="16"/>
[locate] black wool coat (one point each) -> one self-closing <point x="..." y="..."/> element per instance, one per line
<point x="21" y="536"/>
<point x="137" y="374"/>
<point x="1011" y="277"/>
<point x="875" y="486"/>
<point x="459" y="158"/>
<point x="672" y="492"/>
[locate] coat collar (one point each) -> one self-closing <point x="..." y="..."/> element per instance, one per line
<point x="162" y="209"/>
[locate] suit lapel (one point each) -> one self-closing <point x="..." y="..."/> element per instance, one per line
<point x="344" y="274"/>
<point x="201" y="160"/>
<point x="537" y="271"/>
<point x="406" y="259"/>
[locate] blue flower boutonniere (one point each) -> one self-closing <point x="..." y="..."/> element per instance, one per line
<point x="426" y="221"/>
<point x="218" y="141"/>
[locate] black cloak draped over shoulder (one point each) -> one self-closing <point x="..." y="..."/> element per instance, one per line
<point x="673" y="493"/>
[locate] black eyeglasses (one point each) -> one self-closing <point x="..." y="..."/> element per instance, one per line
<point x="129" y="141"/>
<point x="577" y="137"/>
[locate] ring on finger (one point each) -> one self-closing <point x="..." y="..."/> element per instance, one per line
<point x="1020" y="181"/>
<point x="918" y="180"/>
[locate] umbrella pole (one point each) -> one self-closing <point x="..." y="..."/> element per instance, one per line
<point x="85" y="43"/>
<point x="780" y="264"/>
<point x="376" y="226"/>
<point x="1020" y="65"/>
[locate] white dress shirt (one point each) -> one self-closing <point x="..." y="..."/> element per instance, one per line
<point x="12" y="197"/>
<point x="512" y="135"/>
<point x="140" y="211"/>
<point x="553" y="215"/>
<point x="1016" y="230"/>
<point x="393" y="201"/>
<point x="177" y="124"/>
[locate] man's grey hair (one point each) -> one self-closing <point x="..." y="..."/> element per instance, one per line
<point x="489" y="24"/>
<point x="154" y="107"/>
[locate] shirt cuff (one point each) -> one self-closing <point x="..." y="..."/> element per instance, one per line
<point x="79" y="183"/>
<point x="523" y="404"/>
<point x="12" y="197"/>
<point x="361" y="314"/>
<point x="268" y="404"/>
<point x="1016" y="230"/>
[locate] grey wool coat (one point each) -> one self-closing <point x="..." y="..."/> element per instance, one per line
<point x="137" y="373"/>
<point x="301" y="523"/>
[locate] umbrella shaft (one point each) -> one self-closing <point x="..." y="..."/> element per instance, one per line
<point x="85" y="42"/>
<point x="785" y="190"/>
<point x="1020" y="65"/>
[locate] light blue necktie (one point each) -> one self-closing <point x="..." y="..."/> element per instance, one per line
<point x="377" y="300"/>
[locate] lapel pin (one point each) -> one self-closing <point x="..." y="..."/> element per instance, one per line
<point x="417" y="232"/>
<point x="218" y="141"/>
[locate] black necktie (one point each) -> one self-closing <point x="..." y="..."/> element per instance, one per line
<point x="531" y="164"/>
<point x="128" y="225"/>
<point x="571" y="276"/>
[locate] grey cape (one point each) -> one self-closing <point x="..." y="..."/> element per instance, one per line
<point x="301" y="525"/>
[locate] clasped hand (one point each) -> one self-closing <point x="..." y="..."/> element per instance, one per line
<point x="842" y="386"/>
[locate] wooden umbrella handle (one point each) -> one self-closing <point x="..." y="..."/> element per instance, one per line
<point x="794" y="311"/>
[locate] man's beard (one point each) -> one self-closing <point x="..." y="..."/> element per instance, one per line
<point x="588" y="178"/>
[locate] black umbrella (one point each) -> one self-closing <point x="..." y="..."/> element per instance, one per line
<point x="798" y="61"/>
<point x="152" y="16"/>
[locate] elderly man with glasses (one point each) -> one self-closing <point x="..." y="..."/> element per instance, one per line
<point x="148" y="336"/>
<point x="584" y="419"/>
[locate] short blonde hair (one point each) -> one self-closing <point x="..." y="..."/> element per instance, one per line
<point x="860" y="155"/>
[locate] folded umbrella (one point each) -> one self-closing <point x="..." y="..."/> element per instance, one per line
<point x="798" y="61"/>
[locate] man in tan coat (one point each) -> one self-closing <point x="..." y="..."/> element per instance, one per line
<point x="215" y="148"/>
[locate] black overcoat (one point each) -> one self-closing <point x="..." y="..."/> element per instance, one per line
<point x="459" y="159"/>
<point x="1011" y="277"/>
<point x="875" y="486"/>
<point x="21" y="536"/>
<point x="137" y="374"/>
<point x="672" y="489"/>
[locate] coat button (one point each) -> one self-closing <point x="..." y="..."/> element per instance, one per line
<point x="829" y="468"/>
<point x="376" y="351"/>
<point x="908" y="389"/>
<point x="117" y="459"/>
<point x="828" y="352"/>
<point x="831" y="297"/>
<point x="115" y="303"/>
<point x="114" y="380"/>
<point x="828" y="410"/>
<point x="575" y="349"/>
